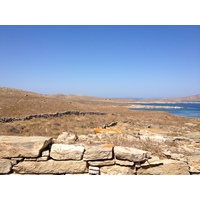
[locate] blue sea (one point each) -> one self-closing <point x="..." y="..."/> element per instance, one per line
<point x="185" y="110"/>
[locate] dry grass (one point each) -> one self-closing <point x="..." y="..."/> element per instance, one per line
<point x="16" y="103"/>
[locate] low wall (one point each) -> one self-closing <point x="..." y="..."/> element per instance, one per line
<point x="44" y="155"/>
<point x="47" y="115"/>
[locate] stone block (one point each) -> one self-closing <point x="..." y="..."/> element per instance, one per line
<point x="51" y="167"/>
<point x="130" y="154"/>
<point x="99" y="152"/>
<point x="16" y="146"/>
<point x="66" y="152"/>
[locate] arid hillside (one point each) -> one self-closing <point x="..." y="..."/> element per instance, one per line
<point x="20" y="105"/>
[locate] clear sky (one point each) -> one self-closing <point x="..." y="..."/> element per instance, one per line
<point x="104" y="61"/>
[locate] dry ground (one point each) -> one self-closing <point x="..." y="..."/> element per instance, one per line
<point x="16" y="103"/>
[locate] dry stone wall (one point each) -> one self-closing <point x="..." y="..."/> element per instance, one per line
<point x="47" y="115"/>
<point x="45" y="155"/>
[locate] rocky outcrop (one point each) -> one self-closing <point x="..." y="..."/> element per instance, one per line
<point x="13" y="146"/>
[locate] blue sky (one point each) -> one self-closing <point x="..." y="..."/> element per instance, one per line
<point x="104" y="61"/>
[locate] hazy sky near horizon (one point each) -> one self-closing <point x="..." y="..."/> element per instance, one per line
<point x="104" y="61"/>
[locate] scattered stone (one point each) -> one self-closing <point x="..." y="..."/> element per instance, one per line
<point x="16" y="146"/>
<point x="51" y="167"/>
<point x="117" y="170"/>
<point x="5" y="166"/>
<point x="99" y="152"/>
<point x="66" y="152"/>
<point x="169" y="167"/>
<point x="101" y="163"/>
<point x="131" y="154"/>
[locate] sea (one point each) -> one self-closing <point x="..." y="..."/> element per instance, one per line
<point x="179" y="109"/>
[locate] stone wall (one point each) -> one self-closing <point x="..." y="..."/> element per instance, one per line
<point x="47" y="115"/>
<point x="45" y="155"/>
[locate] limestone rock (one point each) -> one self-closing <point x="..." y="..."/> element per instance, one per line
<point x="99" y="152"/>
<point x="51" y="167"/>
<point x="5" y="166"/>
<point x="117" y="170"/>
<point x="169" y="167"/>
<point x="131" y="154"/>
<point x="16" y="146"/>
<point x="194" y="164"/>
<point x="124" y="162"/>
<point x="66" y="152"/>
<point x="66" y="138"/>
<point x="101" y="163"/>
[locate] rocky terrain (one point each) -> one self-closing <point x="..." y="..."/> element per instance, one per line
<point x="86" y="121"/>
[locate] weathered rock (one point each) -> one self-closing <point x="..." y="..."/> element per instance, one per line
<point x="152" y="162"/>
<point x="117" y="170"/>
<point x="66" y="152"/>
<point x="169" y="167"/>
<point x="99" y="152"/>
<point x="194" y="164"/>
<point x="66" y="138"/>
<point x="51" y="167"/>
<point x="101" y="163"/>
<point x="131" y="154"/>
<point x="124" y="162"/>
<point x="16" y="146"/>
<point x="5" y="166"/>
